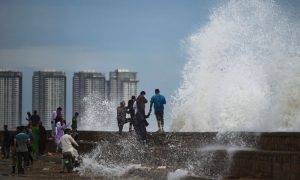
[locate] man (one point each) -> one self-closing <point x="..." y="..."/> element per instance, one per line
<point x="21" y="141"/>
<point x="6" y="142"/>
<point x="74" y="121"/>
<point x="28" y="131"/>
<point x="28" y="118"/>
<point x="75" y="134"/>
<point x="140" y="117"/>
<point x="67" y="142"/>
<point x="158" y="101"/>
<point x="13" y="150"/>
<point x="121" y="116"/>
<point x="35" y="119"/>
<point x="131" y="112"/>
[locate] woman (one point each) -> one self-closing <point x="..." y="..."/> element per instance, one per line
<point x="43" y="139"/>
<point x="36" y="141"/>
<point x="59" y="132"/>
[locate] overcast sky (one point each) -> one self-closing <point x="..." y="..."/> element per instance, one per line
<point x="103" y="35"/>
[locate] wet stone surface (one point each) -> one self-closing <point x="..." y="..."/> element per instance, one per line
<point x="46" y="167"/>
<point x="49" y="167"/>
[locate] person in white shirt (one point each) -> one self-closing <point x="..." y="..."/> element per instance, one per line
<point x="53" y="115"/>
<point x="67" y="142"/>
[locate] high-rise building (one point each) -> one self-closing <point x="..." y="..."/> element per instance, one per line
<point x="48" y="93"/>
<point x="122" y="85"/>
<point x="10" y="98"/>
<point x="87" y="83"/>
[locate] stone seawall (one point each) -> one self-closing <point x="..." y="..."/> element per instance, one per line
<point x="271" y="164"/>
<point x="274" y="155"/>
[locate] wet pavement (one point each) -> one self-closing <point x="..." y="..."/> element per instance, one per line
<point x="46" y="167"/>
<point x="49" y="167"/>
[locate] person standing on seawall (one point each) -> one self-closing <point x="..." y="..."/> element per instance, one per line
<point x="158" y="100"/>
<point x="131" y="112"/>
<point x="74" y="122"/>
<point x="121" y="116"/>
<point x="140" y="117"/>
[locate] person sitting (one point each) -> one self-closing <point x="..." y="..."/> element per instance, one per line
<point x="66" y="143"/>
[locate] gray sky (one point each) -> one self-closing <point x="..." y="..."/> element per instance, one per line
<point x="102" y="35"/>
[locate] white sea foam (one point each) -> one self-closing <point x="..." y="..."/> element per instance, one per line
<point x="177" y="175"/>
<point x="98" y="164"/>
<point x="243" y="71"/>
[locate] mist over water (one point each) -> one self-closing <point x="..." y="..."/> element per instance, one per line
<point x="243" y="71"/>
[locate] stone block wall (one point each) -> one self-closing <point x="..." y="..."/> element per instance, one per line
<point x="276" y="154"/>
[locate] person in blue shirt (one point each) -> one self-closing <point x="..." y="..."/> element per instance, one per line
<point x="21" y="142"/>
<point x="158" y="100"/>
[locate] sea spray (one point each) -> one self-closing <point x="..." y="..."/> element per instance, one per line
<point x="98" y="114"/>
<point x="242" y="74"/>
<point x="243" y="71"/>
<point x="112" y="159"/>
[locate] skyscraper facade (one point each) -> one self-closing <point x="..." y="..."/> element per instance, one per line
<point x="10" y="98"/>
<point x="122" y="85"/>
<point x="87" y="83"/>
<point x="48" y="93"/>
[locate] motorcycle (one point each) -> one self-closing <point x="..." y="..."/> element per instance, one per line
<point x="68" y="162"/>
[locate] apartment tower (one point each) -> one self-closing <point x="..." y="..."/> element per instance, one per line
<point x="48" y="93"/>
<point x="122" y="85"/>
<point x="86" y="83"/>
<point x="10" y="99"/>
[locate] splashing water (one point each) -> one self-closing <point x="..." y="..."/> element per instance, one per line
<point x="112" y="159"/>
<point x="243" y="72"/>
<point x="96" y="164"/>
<point x="177" y="175"/>
<point x="214" y="159"/>
<point x="98" y="114"/>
